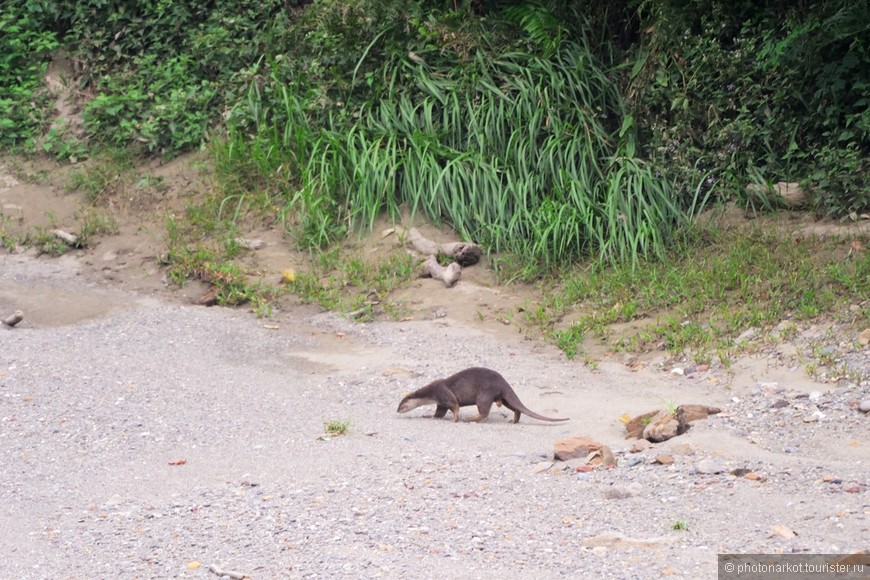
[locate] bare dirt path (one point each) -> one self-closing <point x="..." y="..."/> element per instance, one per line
<point x="101" y="394"/>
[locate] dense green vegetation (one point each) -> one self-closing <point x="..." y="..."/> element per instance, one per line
<point x="549" y="130"/>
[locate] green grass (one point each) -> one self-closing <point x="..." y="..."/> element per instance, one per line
<point x="336" y="427"/>
<point x="703" y="294"/>
<point x="103" y="175"/>
<point x="347" y="283"/>
<point x="533" y="155"/>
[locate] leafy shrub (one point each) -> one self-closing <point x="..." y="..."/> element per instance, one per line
<point x="24" y="52"/>
<point x="734" y="89"/>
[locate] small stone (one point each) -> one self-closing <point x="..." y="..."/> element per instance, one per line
<point x="811" y="418"/>
<point x="640" y="445"/>
<point x="771" y="387"/>
<point x="747" y="335"/>
<point x="864" y="406"/>
<point x="678" y="371"/>
<point x="250" y="244"/>
<point x="783" y="531"/>
<point x="752" y="476"/>
<point x="575" y="447"/>
<point x="557" y="469"/>
<point x="815" y="396"/>
<point x="602" y="457"/>
<point x="864" y="337"/>
<point x="542" y="467"/>
<point x="692" y="413"/>
<point x="779" y="404"/>
<point x="665" y="425"/>
<point x="440" y="313"/>
<point x="854" y="489"/>
<point x="710" y="467"/>
<point x="664" y="459"/>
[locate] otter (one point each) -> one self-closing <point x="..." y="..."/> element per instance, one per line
<point x="474" y="386"/>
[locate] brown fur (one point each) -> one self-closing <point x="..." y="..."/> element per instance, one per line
<point x="474" y="386"/>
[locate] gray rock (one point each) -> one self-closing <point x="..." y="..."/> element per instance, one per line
<point x="864" y="406"/>
<point x="710" y="467"/>
<point x="747" y="335"/>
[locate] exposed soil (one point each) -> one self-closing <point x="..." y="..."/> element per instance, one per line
<point x="142" y="436"/>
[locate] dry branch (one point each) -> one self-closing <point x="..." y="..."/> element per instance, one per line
<point x="448" y="275"/>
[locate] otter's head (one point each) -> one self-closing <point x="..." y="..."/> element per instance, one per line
<point x="410" y="402"/>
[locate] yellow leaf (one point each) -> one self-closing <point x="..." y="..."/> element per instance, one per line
<point x="625" y="418"/>
<point x="193" y="565"/>
<point x="288" y="275"/>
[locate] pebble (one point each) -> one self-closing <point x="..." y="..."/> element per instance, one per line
<point x="542" y="467"/>
<point x="864" y="406"/>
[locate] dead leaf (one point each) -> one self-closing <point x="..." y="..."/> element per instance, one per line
<point x="178" y="462"/>
<point x="193" y="565"/>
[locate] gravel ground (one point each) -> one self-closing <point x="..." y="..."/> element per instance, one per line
<point x="157" y="440"/>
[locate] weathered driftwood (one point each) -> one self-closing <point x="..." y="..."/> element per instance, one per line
<point x="463" y="253"/>
<point x="66" y="237"/>
<point x="14" y="319"/>
<point x="449" y="274"/>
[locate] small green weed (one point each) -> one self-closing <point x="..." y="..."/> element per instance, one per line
<point x="336" y="427"/>
<point x="680" y="525"/>
<point x="93" y="222"/>
<point x="103" y="176"/>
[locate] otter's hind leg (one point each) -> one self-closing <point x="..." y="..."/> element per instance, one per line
<point x="517" y="412"/>
<point x="483" y="408"/>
